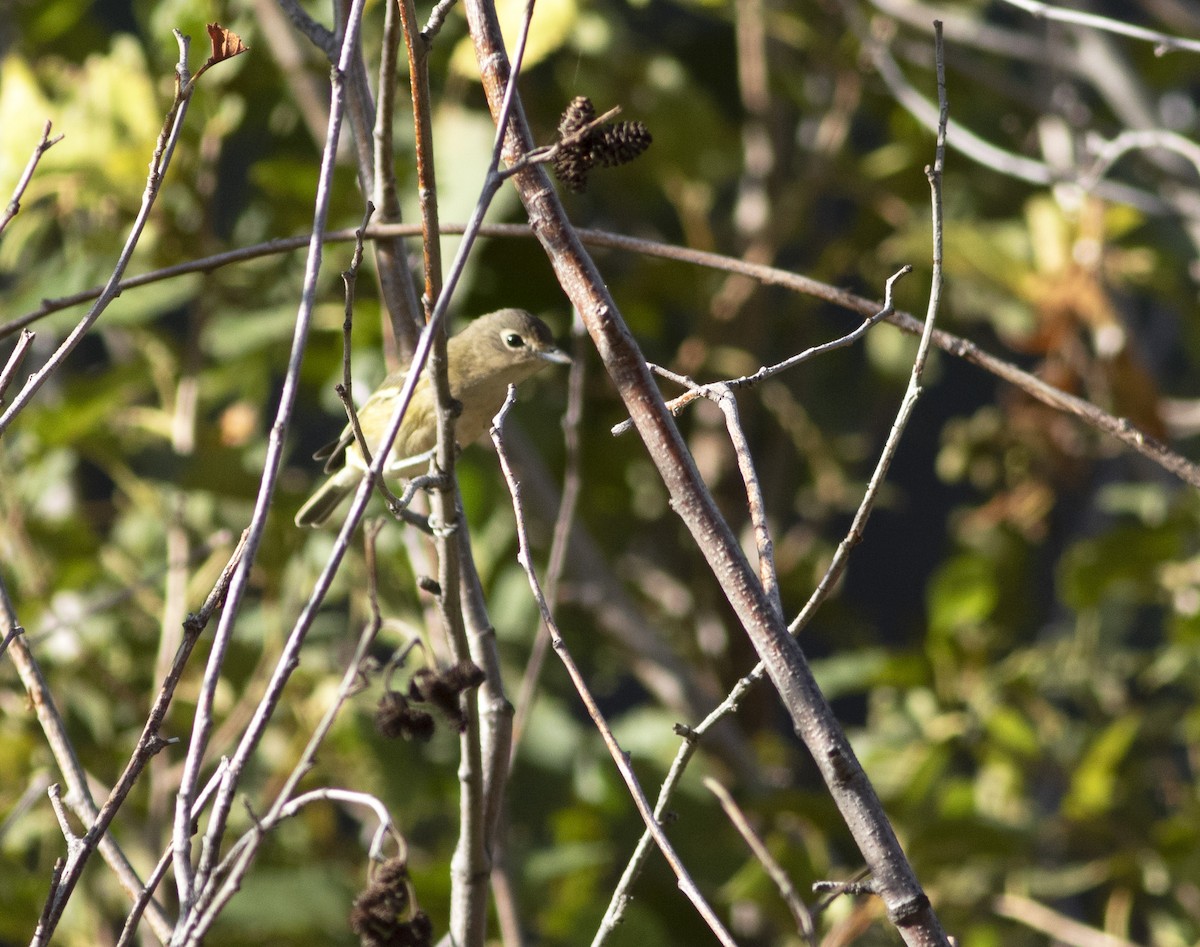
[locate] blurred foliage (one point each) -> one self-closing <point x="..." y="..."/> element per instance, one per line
<point x="1015" y="650"/>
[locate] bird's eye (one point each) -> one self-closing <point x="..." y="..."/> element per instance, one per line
<point x="513" y="340"/>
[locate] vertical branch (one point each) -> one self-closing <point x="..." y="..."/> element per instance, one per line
<point x="418" y="69"/>
<point x="357" y="101"/>
<point x="481" y="773"/>
<point x="391" y="254"/>
<point x="495" y="711"/>
<point x="767" y="573"/>
<point x="375" y="162"/>
<point x="189" y="880"/>
<point x="469" y="866"/>
<point x="854" y="535"/>
<point x="233" y="870"/>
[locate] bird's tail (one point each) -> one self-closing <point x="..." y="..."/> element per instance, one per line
<point x="320" y="505"/>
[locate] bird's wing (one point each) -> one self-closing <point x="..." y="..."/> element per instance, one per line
<point x="380" y="401"/>
<point x="332" y="452"/>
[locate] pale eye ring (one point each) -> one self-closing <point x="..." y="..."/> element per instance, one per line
<point x="513" y="340"/>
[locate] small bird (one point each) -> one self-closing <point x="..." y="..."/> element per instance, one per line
<point x="494" y="351"/>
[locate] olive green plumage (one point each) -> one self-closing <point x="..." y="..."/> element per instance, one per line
<point x="494" y="351"/>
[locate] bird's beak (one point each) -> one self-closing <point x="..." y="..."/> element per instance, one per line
<point x="556" y="355"/>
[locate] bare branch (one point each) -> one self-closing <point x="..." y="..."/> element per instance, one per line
<point x="620" y="758"/>
<point x="396" y="279"/>
<point x="1163" y="42"/>
<point x="564" y="519"/>
<point x="787" y="890"/>
<point x="191" y="881"/>
<point x="164" y="149"/>
<point x="15" y="358"/>
<point x="768" y="575"/>
<point x="234" y="867"/>
<point x="712" y="389"/>
<point x="1119" y="428"/>
<point x="907" y="904"/>
<point x="437" y="17"/>
<point x="14" y="204"/>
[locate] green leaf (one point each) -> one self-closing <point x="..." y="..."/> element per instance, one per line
<point x="963" y="593"/>
<point x="1095" y="781"/>
<point x="1123" y="564"/>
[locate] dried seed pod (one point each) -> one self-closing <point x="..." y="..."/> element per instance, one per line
<point x="607" y="145"/>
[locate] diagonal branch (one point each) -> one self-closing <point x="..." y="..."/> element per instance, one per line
<point x="620" y="757"/>
<point x="164" y="149"/>
<point x="908" y="907"/>
<point x="14" y="204"/>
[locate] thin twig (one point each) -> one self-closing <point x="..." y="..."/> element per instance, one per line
<point x="164" y="149"/>
<point x="768" y="575"/>
<point x="690" y="738"/>
<point x="233" y="869"/>
<point x="1163" y="42"/>
<point x="437" y="17"/>
<point x="620" y="758"/>
<point x="908" y="907"/>
<point x="1119" y="428"/>
<point x="143" y="899"/>
<point x="391" y="256"/>
<point x="564" y="519"/>
<point x="345" y="391"/>
<point x="712" y="389"/>
<point x="15" y="358"/>
<point x="787" y="890"/>
<point x="908" y="403"/>
<point x="349" y="282"/>
<point x="14" y="204"/>
<point x="192" y="881"/>
<point x="384" y="831"/>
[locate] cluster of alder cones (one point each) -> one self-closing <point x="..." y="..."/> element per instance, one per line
<point x="581" y="148"/>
